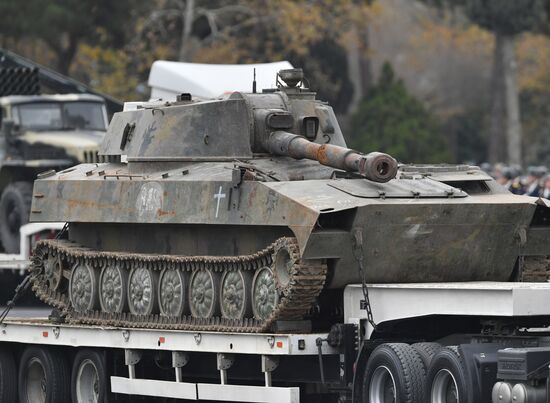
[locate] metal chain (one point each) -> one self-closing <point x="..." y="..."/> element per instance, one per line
<point x="360" y="257"/>
<point x="18" y="292"/>
<point x="63" y="231"/>
<point x="522" y="240"/>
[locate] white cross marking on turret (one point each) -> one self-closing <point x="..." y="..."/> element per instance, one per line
<point x="219" y="196"/>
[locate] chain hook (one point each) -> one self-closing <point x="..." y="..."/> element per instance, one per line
<point x="360" y="257"/>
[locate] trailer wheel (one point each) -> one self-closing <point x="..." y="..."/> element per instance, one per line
<point x="446" y="381"/>
<point x="427" y="351"/>
<point x="8" y="377"/>
<point x="394" y="374"/>
<point x="43" y="374"/>
<point x="89" y="378"/>
<point x="15" y="207"/>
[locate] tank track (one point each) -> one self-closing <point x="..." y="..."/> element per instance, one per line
<point x="306" y="280"/>
<point x="536" y="269"/>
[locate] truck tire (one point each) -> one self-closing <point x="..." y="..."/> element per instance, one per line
<point x="394" y="374"/>
<point x="446" y="382"/>
<point x="43" y="374"/>
<point x="427" y="351"/>
<point x="8" y="377"/>
<point x="89" y="378"/>
<point x="15" y="207"/>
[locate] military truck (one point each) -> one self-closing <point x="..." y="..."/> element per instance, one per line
<point x="40" y="133"/>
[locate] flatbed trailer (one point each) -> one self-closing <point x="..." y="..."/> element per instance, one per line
<point x="450" y="342"/>
<point x="221" y="350"/>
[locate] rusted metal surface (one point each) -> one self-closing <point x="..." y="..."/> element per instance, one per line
<point x="181" y="132"/>
<point x="211" y="180"/>
<point x="377" y="167"/>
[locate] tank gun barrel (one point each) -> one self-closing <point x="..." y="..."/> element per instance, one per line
<point x="375" y="166"/>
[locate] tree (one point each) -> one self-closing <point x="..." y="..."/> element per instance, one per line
<point x="198" y="25"/>
<point x="506" y="19"/>
<point x="64" y="24"/>
<point x="323" y="36"/>
<point x="391" y="120"/>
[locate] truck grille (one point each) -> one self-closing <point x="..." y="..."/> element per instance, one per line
<point x="42" y="151"/>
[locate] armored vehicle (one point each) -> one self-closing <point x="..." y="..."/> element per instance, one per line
<point x="38" y="133"/>
<point x="249" y="212"/>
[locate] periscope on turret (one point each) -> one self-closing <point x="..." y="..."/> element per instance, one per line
<point x="242" y="212"/>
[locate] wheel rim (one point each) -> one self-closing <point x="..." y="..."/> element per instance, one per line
<point x="83" y="289"/>
<point x="53" y="271"/>
<point x="172" y="293"/>
<point x="282" y="265"/>
<point x="112" y="289"/>
<point x="445" y="388"/>
<point x="87" y="382"/>
<point x="264" y="293"/>
<point x="233" y="295"/>
<point x="13" y="218"/>
<point x="141" y="289"/>
<point x="382" y="387"/>
<point x="35" y="385"/>
<point x="201" y="294"/>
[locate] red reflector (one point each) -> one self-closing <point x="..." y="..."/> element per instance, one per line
<point x="279" y="344"/>
<point x="161" y="339"/>
<point x="44" y="334"/>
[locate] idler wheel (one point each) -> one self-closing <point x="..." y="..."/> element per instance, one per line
<point x="53" y="271"/>
<point x="264" y="293"/>
<point x="113" y="283"/>
<point x="173" y="293"/>
<point x="285" y="256"/>
<point x="203" y="294"/>
<point x="142" y="289"/>
<point x="83" y="288"/>
<point x="235" y="299"/>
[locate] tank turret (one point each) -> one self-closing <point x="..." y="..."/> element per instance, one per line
<point x="286" y="121"/>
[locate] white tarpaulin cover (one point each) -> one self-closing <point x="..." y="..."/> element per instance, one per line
<point x="168" y="79"/>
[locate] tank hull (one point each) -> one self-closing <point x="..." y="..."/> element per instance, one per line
<point x="426" y="238"/>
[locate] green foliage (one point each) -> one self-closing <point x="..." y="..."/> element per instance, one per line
<point x="391" y="120"/>
<point x="467" y="135"/>
<point x="63" y="24"/>
<point x="507" y="17"/>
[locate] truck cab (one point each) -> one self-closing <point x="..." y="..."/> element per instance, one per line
<point x="39" y="133"/>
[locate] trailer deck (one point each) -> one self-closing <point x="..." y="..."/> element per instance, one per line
<point x="489" y="299"/>
<point x="268" y="348"/>
<point x="296" y="358"/>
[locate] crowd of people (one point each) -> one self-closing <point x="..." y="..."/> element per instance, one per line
<point x="535" y="182"/>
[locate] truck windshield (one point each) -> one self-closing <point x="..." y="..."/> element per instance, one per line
<point x="61" y="116"/>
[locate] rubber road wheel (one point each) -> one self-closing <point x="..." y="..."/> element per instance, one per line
<point x="394" y="374"/>
<point x="446" y="382"/>
<point x="8" y="377"/>
<point x="427" y="351"/>
<point x="15" y="206"/>
<point x="89" y="378"/>
<point x="43" y="375"/>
